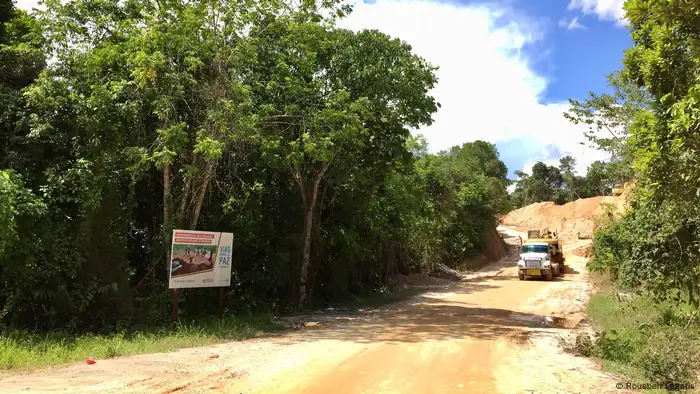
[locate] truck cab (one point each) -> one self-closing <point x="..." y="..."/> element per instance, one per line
<point x="539" y="259"/>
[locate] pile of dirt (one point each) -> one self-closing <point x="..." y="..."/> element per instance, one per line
<point x="582" y="251"/>
<point x="496" y="250"/>
<point x="569" y="221"/>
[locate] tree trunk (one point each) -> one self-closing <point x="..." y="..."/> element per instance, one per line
<point x="166" y="215"/>
<point x="310" y="204"/>
<point x="208" y="173"/>
<point x="180" y="218"/>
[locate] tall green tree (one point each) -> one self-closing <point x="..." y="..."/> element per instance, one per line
<point x="316" y="116"/>
<point x="654" y="248"/>
<point x="22" y="58"/>
<point x="544" y="184"/>
<point x="572" y="183"/>
<point x="611" y="118"/>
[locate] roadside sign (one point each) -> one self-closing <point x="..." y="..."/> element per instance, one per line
<point x="200" y="259"/>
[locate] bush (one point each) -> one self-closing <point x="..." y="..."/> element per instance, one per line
<point x="653" y="249"/>
<point x="615" y="346"/>
<point x="584" y="345"/>
<point x="669" y="355"/>
<point x="643" y="336"/>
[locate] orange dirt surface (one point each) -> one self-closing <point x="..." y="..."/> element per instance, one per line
<point x="568" y="220"/>
<point x="490" y="333"/>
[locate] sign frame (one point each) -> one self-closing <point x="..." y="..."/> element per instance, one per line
<point x="200" y="259"/>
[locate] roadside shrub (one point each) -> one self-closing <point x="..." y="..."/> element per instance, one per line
<point x="583" y="345"/>
<point x="649" y="338"/>
<point x="669" y="355"/>
<point x="615" y="345"/>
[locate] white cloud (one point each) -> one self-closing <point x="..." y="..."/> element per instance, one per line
<point x="571" y="25"/>
<point x="27" y="5"/>
<point x="487" y="86"/>
<point x="609" y="10"/>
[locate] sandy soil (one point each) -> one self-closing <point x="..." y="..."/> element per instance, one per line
<point x="568" y="220"/>
<point x="488" y="334"/>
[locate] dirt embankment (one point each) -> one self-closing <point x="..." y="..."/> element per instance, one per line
<point x="569" y="220"/>
<point x="495" y="251"/>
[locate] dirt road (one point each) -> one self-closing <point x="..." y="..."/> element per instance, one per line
<point x="488" y="334"/>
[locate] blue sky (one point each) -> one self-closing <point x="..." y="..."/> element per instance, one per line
<point x="506" y="68"/>
<point x="576" y="58"/>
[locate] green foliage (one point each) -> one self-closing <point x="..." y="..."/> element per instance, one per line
<point x="544" y="184"/>
<point x="654" y="247"/>
<point x="654" y="118"/>
<point x="225" y="116"/>
<point x="562" y="185"/>
<point x="467" y="186"/>
<point x="656" y="340"/>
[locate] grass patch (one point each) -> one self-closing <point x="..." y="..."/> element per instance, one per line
<point x="643" y="340"/>
<point x="23" y="350"/>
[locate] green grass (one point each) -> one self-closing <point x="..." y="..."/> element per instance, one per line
<point x="641" y="339"/>
<point x="22" y="350"/>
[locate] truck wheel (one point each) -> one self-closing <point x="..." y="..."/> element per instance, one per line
<point x="521" y="276"/>
<point x="548" y="276"/>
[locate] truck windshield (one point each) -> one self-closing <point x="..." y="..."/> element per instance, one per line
<point x="534" y="248"/>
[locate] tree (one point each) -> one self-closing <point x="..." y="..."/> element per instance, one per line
<point x="654" y="247"/>
<point x="571" y="181"/>
<point x="315" y="114"/>
<point x="21" y="61"/>
<point x="611" y="119"/>
<point x="249" y="117"/>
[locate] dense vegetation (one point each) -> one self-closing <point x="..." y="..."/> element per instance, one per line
<point x="653" y="249"/>
<point x="248" y="117"/>
<point x="562" y="185"/>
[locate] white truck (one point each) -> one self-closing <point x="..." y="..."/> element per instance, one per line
<point x="539" y="258"/>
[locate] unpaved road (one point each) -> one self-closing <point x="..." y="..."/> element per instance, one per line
<point x="487" y="334"/>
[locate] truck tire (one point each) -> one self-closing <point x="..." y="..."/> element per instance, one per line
<point x="548" y="276"/>
<point x="521" y="276"/>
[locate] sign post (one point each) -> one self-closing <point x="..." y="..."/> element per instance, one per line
<point x="174" y="306"/>
<point x="199" y="259"/>
<point x="220" y="308"/>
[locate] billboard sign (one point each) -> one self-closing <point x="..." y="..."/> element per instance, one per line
<point x="200" y="259"/>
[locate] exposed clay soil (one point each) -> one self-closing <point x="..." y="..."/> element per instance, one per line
<point x="568" y="220"/>
<point x="490" y="333"/>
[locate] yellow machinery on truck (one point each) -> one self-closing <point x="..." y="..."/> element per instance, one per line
<point x="617" y="190"/>
<point x="541" y="255"/>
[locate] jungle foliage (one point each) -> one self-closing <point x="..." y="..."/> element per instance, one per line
<point x="258" y="118"/>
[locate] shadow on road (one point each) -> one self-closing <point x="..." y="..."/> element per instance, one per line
<point x="431" y="322"/>
<point x="570" y="270"/>
<point x="426" y="317"/>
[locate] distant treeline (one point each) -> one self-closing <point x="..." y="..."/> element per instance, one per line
<point x="561" y="184"/>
